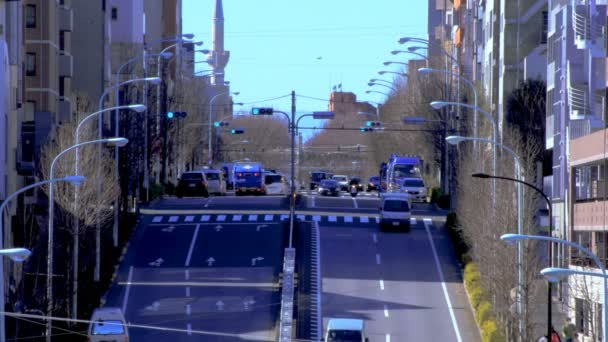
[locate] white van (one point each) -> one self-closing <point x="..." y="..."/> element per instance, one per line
<point x="345" y="330"/>
<point x="415" y="188"/>
<point x="276" y="184"/>
<point x="395" y="211"/>
<point x="215" y="182"/>
<point x="108" y="325"/>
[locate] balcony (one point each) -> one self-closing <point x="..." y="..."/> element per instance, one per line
<point x="66" y="65"/>
<point x="589" y="32"/>
<point x="66" y="19"/>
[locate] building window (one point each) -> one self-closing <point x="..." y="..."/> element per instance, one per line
<point x="61" y="86"/>
<point x="62" y="40"/>
<point x="114" y="13"/>
<point x="30" y="64"/>
<point x="30" y="16"/>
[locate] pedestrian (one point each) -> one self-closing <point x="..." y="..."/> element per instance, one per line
<point x="569" y="330"/>
<point x="555" y="336"/>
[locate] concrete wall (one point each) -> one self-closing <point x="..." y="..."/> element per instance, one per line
<point x="128" y="27"/>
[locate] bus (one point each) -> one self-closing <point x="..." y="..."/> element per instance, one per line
<point x="249" y="179"/>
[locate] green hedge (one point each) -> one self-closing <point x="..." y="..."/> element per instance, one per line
<point x="481" y="306"/>
<point x="456" y="235"/>
<point x="435" y="194"/>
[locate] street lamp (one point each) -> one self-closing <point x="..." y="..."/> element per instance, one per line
<point x="381" y="80"/>
<point x="112" y="141"/>
<point x="395" y="52"/>
<point x="210" y="152"/>
<point x="440" y="104"/>
<point x="455" y="140"/>
<point x="390" y="62"/>
<point x="555" y="274"/>
<point x="546" y="198"/>
<point x="402" y="74"/>
<point x="371" y="84"/>
<point x="20" y="254"/>
<point x="377" y="92"/>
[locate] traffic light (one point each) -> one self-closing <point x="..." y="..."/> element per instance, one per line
<point x="367" y="129"/>
<point x="176" y="115"/>
<point x="237" y="131"/>
<point x="170" y="115"/>
<point x="261" y="111"/>
<point x="220" y="124"/>
<point x="373" y="123"/>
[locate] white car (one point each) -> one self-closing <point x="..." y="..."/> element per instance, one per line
<point x="342" y="181"/>
<point x="215" y="182"/>
<point x="276" y="184"/>
<point x="415" y="188"/>
<point x="395" y="211"/>
<point x="345" y="329"/>
<point x="108" y="324"/>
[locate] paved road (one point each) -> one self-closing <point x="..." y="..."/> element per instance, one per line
<point x="212" y="280"/>
<point x="392" y="280"/>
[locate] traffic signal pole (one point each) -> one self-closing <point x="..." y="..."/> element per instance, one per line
<point x="292" y="201"/>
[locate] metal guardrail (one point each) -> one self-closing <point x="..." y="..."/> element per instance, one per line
<point x="286" y="317"/>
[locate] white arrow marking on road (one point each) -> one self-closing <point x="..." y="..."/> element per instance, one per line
<point x="257" y="229"/>
<point x="248" y="303"/>
<point x="218" y="228"/>
<point x="157" y="262"/>
<point x="220" y="305"/>
<point x="154" y="307"/>
<point x="255" y="260"/>
<point x="169" y="229"/>
<point x="210" y="261"/>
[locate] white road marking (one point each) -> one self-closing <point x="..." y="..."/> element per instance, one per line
<point x="210" y="261"/>
<point x="253" y="218"/>
<point x="301" y="217"/>
<point x="312" y="201"/>
<point x="284" y="217"/>
<point x="413" y="221"/>
<point x="157" y="219"/>
<point x="189" y="219"/>
<point x="376" y="219"/>
<point x="348" y="219"/>
<point x="125" y="300"/>
<point x="205" y="218"/>
<point x="268" y="217"/>
<point x="189" y="327"/>
<point x="187" y="264"/>
<point x="378" y="259"/>
<point x="221" y="218"/>
<point x="375" y="237"/>
<point x="237" y="217"/>
<point x="355" y="203"/>
<point x="187" y="291"/>
<point x="173" y="219"/>
<point x="333" y="219"/>
<point x="316" y="218"/>
<point x="364" y="219"/>
<point x="381" y="284"/>
<point x="385" y="311"/>
<point x="428" y="221"/>
<point x="187" y="274"/>
<point x="317" y="258"/>
<point x="442" y="279"/>
<point x="388" y="338"/>
<point x="188" y="310"/>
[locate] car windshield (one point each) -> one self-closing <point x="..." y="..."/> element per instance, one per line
<point x="192" y="176"/>
<point x="396" y="205"/>
<point x="344" y="336"/>
<point x="340" y="178"/>
<point x="418" y="183"/>
<point x="405" y="170"/>
<point x="110" y="327"/>
<point x="269" y="179"/>
<point x="213" y="176"/>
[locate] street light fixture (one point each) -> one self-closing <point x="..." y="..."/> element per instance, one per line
<point x="371" y="84"/>
<point x="390" y="62"/>
<point x="382" y="72"/>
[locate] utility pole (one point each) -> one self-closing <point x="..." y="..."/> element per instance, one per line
<point x="293" y="185"/>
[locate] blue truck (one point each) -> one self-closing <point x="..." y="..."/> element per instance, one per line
<point x="249" y="179"/>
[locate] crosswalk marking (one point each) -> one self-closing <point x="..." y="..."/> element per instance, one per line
<point x="301" y="217"/>
<point x="333" y="219"/>
<point x="284" y="217"/>
<point x="268" y="217"/>
<point x="189" y="219"/>
<point x="343" y="218"/>
<point x="413" y="221"/>
<point x="316" y="218"/>
<point x="221" y="218"/>
<point x="205" y="218"/>
<point x="348" y="219"/>
<point x="253" y="218"/>
<point x="364" y="219"/>
<point x="237" y="217"/>
<point x="173" y="219"/>
<point x="157" y="219"/>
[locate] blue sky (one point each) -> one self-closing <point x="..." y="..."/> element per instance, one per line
<point x="277" y="46"/>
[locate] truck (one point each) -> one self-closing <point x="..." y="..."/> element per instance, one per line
<point x="317" y="176"/>
<point x="400" y="167"/>
<point x="249" y="179"/>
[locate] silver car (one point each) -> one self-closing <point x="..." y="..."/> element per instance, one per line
<point x="215" y="182"/>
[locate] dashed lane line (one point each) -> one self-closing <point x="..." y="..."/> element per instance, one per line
<point x="378" y="261"/>
<point x="386" y="311"/>
<point x="375" y="237"/>
<point x="355" y="203"/>
<point x="125" y="300"/>
<point x="381" y="284"/>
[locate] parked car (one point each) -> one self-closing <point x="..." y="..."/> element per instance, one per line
<point x="108" y="325"/>
<point x="192" y="183"/>
<point x="345" y="330"/>
<point x="342" y="181"/>
<point x="415" y="188"/>
<point x="373" y="184"/>
<point x="395" y="211"/>
<point x="215" y="182"/>
<point x="329" y="187"/>
<point x="276" y="184"/>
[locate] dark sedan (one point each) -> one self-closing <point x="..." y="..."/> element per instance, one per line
<point x="329" y="187"/>
<point x="373" y="184"/>
<point x="192" y="183"/>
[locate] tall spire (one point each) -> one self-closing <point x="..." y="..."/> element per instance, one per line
<point x="219" y="57"/>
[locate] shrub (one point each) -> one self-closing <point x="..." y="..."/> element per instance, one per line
<point x="443" y="202"/>
<point x="490" y="332"/>
<point x="156" y="190"/>
<point x="477" y="296"/>
<point x="471" y="274"/>
<point x="435" y="194"/>
<point x="484" y="311"/>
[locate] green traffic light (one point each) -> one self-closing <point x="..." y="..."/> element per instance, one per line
<point x="369" y="123"/>
<point x="217" y="124"/>
<point x="170" y="115"/>
<point x="255" y="111"/>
